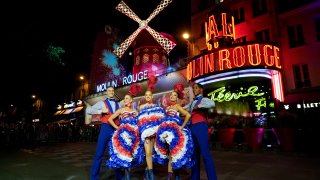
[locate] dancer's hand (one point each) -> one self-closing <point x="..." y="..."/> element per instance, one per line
<point x="105" y="111"/>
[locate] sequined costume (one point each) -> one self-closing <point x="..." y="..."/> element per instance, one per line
<point x="125" y="149"/>
<point x="171" y="141"/>
<point x="149" y="119"/>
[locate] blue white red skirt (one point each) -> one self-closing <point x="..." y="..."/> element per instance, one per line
<point x="149" y="119"/>
<point x="175" y="143"/>
<point x="125" y="149"/>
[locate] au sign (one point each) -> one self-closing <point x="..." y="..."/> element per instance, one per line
<point x="212" y="31"/>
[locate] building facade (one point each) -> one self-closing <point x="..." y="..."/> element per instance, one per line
<point x="292" y="27"/>
<point x="300" y="44"/>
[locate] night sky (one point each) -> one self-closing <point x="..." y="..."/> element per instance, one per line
<point x="28" y="29"/>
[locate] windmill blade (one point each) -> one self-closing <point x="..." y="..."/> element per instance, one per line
<point x="120" y="50"/>
<point x="124" y="8"/>
<point x="166" y="43"/>
<point x="160" y="7"/>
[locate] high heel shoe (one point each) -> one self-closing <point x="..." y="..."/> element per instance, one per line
<point x="177" y="175"/>
<point x="151" y="175"/>
<point x="146" y="173"/>
<point x="127" y="175"/>
<point x="169" y="177"/>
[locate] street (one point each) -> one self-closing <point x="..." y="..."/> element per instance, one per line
<point x="72" y="161"/>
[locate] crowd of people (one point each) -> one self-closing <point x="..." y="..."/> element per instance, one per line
<point x="174" y="136"/>
<point x="26" y="135"/>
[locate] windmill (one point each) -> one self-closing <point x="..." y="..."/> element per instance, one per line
<point x="165" y="42"/>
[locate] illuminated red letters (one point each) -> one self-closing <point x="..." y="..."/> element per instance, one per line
<point x="253" y="55"/>
<point x="212" y="31"/>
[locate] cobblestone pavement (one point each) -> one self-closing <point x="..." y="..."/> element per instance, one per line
<point x="72" y="161"/>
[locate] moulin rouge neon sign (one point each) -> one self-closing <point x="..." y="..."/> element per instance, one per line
<point x="253" y="55"/>
<point x="131" y="78"/>
<point x="221" y="94"/>
<point x="250" y="55"/>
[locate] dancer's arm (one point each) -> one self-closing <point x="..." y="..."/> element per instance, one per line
<point x="206" y="103"/>
<point x="113" y="116"/>
<point x="186" y="115"/>
<point x="97" y="108"/>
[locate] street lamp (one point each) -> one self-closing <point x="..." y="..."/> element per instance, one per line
<point x="186" y="37"/>
<point x="37" y="108"/>
<point x="82" y="90"/>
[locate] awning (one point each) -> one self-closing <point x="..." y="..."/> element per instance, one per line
<point x="58" y="112"/>
<point x="68" y="111"/>
<point x="77" y="109"/>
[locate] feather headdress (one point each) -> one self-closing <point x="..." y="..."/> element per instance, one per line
<point x="179" y="89"/>
<point x="151" y="82"/>
<point x="134" y="89"/>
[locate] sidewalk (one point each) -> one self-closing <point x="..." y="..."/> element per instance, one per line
<point x="72" y="161"/>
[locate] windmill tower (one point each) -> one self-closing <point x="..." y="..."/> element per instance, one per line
<point x="152" y="47"/>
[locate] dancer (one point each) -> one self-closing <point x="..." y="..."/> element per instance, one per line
<point x="199" y="130"/>
<point x="174" y="145"/>
<point x="149" y="119"/>
<point x="106" y="108"/>
<point x="124" y="148"/>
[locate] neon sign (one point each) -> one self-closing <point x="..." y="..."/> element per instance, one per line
<point x="134" y="78"/>
<point x="303" y="105"/>
<point x="212" y="31"/>
<point x="125" y="80"/>
<point x="261" y="103"/>
<point x="308" y="105"/>
<point x="221" y="94"/>
<point x="72" y="104"/>
<point x="252" y="55"/>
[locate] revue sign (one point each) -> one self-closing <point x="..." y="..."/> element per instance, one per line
<point x="221" y="94"/>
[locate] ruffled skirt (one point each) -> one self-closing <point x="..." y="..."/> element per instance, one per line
<point x="175" y="143"/>
<point x="125" y="149"/>
<point x="149" y="120"/>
